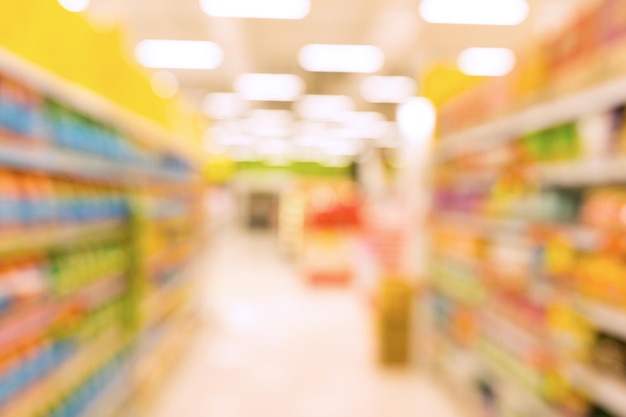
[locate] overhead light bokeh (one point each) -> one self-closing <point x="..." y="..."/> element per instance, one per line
<point x="75" y="6"/>
<point x="341" y="58"/>
<point x="417" y="118"/>
<point x="486" y="62"/>
<point x="269" y="87"/>
<point x="179" y="54"/>
<point x="257" y="9"/>
<point x="475" y="12"/>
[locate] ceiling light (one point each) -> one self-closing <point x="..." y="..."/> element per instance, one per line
<point x="224" y="106"/>
<point x="260" y="9"/>
<point x="75" y="6"/>
<point x="164" y="84"/>
<point x="486" y="62"/>
<point x="269" y="87"/>
<point x="380" y="89"/>
<point x="475" y="12"/>
<point x="341" y="58"/>
<point x="174" y="54"/>
<point x="322" y="107"/>
<point x="416" y="119"/>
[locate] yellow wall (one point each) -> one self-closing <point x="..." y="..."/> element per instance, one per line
<point x="98" y="59"/>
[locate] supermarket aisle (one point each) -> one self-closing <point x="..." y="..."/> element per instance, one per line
<point x="273" y="348"/>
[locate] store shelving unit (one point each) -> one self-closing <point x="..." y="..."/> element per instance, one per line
<point x="528" y="239"/>
<point x="100" y="214"/>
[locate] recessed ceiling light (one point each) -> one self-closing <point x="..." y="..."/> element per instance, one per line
<point x="475" y="12"/>
<point x="323" y="107"/>
<point x="176" y="54"/>
<point x="417" y="118"/>
<point x="269" y="87"/>
<point x="486" y="62"/>
<point x="164" y="84"/>
<point x="75" y="6"/>
<point x="259" y="9"/>
<point x="378" y="89"/>
<point x="341" y="58"/>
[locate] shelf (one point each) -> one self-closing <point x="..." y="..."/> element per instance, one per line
<point x="31" y="240"/>
<point x="605" y="317"/>
<point x="472" y="365"/>
<point x="595" y="99"/>
<point x="582" y="173"/>
<point x="584" y="237"/>
<point x="138" y="128"/>
<point x="43" y="393"/>
<point x="79" y="165"/>
<point x="608" y="392"/>
<point x="574" y="173"/>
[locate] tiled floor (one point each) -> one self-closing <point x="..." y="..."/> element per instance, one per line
<point x="271" y="347"/>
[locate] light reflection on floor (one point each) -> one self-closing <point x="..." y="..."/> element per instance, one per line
<point x="271" y="347"/>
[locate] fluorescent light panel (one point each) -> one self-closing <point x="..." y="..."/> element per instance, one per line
<point x="269" y="87"/>
<point x="257" y="9"/>
<point x="475" y="12"/>
<point x="176" y="54"/>
<point x="341" y="58"/>
<point x="379" y="89"/>
<point x="486" y="62"/>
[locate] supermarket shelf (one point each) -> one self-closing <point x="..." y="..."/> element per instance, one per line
<point x="67" y="374"/>
<point x="575" y="173"/>
<point x="48" y="237"/>
<point x="600" y="98"/>
<point x="146" y="132"/>
<point x="79" y="165"/>
<point x="603" y="316"/>
<point x="109" y="401"/>
<point x="525" y="394"/>
<point x="606" y="391"/>
<point x="584" y="237"/>
<point x="473" y="364"/>
<point x="582" y="173"/>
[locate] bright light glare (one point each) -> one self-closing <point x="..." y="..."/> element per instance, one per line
<point x="486" y="62"/>
<point x="260" y="9"/>
<point x="416" y="119"/>
<point x="380" y="89"/>
<point x="164" y="84"/>
<point x="174" y="54"/>
<point x="323" y="107"/>
<point x="341" y="58"/>
<point x="75" y="6"/>
<point x="475" y="12"/>
<point x="224" y="106"/>
<point x="269" y="87"/>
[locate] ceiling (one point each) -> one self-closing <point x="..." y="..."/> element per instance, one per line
<point x="272" y="46"/>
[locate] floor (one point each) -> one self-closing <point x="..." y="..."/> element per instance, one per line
<point x="272" y="347"/>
